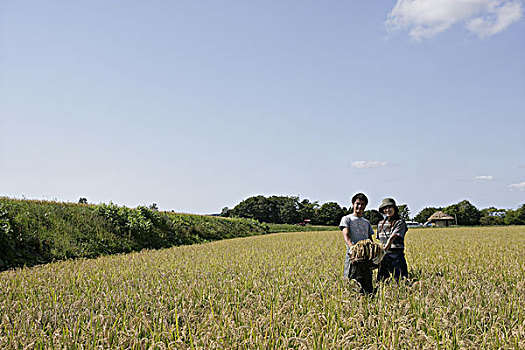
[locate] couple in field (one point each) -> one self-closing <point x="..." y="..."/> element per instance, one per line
<point x="390" y="232"/>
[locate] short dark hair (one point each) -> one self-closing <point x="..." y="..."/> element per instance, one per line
<point x="360" y="196"/>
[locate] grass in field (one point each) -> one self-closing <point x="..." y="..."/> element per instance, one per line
<point x="274" y="291"/>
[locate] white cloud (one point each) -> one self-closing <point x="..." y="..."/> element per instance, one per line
<point x="519" y="186"/>
<point x="363" y="164"/>
<point x="426" y="18"/>
<point x="483" y="178"/>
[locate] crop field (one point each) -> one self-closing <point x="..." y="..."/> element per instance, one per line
<point x="278" y="291"/>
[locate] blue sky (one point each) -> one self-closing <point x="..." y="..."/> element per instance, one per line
<point x="197" y="105"/>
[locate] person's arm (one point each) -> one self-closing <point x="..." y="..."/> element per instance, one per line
<point x="346" y="237"/>
<point x="370" y="232"/>
<point x="390" y="240"/>
<point x="398" y="231"/>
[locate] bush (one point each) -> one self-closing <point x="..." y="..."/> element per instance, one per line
<point x="35" y="232"/>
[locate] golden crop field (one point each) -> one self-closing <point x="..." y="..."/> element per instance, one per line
<point x="279" y="291"/>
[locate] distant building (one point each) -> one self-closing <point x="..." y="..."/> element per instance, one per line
<point x="412" y="224"/>
<point x="440" y="219"/>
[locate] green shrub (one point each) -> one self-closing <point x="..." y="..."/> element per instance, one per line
<point x="35" y="232"/>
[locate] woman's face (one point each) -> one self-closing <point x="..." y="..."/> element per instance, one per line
<point x="389" y="211"/>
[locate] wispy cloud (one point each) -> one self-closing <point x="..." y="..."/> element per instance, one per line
<point x="483" y="178"/>
<point x="426" y="18"/>
<point x="363" y="164"/>
<point x="519" y="186"/>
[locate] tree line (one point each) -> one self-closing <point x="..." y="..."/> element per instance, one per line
<point x="466" y="214"/>
<point x="293" y="210"/>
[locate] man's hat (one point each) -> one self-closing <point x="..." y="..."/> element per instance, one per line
<point x="386" y="202"/>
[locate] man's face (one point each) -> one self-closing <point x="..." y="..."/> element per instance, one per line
<point x="359" y="207"/>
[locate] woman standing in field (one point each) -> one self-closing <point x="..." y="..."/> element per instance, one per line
<point x="391" y="233"/>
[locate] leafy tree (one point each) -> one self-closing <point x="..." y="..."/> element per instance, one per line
<point x="329" y="213"/>
<point x="516" y="217"/>
<point x="153" y="206"/>
<point x="374" y="216"/>
<point x="225" y="212"/>
<point x="492" y="216"/>
<point x="425" y="213"/>
<point x="492" y="211"/>
<point x="257" y="208"/>
<point x="289" y="210"/>
<point x="274" y="209"/>
<point x="307" y="209"/>
<point x="491" y="220"/>
<point x="466" y="213"/>
<point x="404" y="212"/>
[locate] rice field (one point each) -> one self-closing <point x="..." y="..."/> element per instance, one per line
<point x="278" y="291"/>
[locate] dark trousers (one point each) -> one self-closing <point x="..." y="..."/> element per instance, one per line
<point x="393" y="264"/>
<point x="362" y="273"/>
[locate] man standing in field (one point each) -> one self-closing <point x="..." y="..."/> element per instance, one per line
<point x="356" y="228"/>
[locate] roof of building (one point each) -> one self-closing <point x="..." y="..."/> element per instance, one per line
<point x="439" y="215"/>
